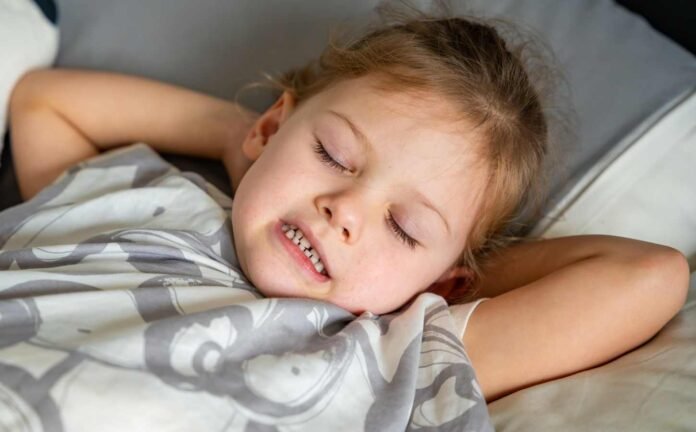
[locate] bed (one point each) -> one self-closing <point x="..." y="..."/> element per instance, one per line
<point x="629" y="148"/>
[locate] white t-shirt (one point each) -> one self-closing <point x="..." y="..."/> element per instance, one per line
<point x="461" y="314"/>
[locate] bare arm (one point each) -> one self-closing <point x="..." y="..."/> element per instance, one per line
<point x="59" y="117"/>
<point x="530" y="260"/>
<point x="578" y="302"/>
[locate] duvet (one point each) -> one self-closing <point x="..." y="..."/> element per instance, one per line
<point x="122" y="308"/>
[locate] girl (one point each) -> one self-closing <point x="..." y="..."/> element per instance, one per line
<point x="398" y="162"/>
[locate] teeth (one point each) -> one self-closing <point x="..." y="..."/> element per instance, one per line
<point x="297" y="237"/>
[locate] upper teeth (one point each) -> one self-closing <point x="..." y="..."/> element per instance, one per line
<point x="297" y="236"/>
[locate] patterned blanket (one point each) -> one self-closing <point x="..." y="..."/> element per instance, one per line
<point x="122" y="308"/>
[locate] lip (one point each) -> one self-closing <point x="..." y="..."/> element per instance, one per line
<point x="302" y="261"/>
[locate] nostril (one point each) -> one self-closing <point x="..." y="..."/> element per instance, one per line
<point x="327" y="211"/>
<point x="345" y="233"/>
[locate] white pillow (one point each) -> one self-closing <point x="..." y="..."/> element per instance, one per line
<point x="645" y="188"/>
<point x="28" y="40"/>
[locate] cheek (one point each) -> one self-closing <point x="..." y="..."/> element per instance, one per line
<point x="391" y="273"/>
<point x="281" y="171"/>
<point x="264" y="184"/>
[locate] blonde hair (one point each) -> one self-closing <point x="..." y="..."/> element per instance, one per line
<point x="467" y="63"/>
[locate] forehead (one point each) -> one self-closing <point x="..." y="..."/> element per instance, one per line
<point x="392" y="121"/>
<point x="416" y="110"/>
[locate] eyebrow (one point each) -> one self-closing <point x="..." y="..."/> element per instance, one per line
<point x="362" y="139"/>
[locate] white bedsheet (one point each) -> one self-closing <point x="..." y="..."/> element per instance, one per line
<point x="652" y="388"/>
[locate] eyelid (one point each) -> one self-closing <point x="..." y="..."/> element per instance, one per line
<point x="400" y="233"/>
<point x="324" y="155"/>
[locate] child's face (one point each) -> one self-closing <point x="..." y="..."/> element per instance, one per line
<point x="413" y="150"/>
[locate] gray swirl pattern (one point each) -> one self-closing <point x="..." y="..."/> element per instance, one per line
<point x="117" y="313"/>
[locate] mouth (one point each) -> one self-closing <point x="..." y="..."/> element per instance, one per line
<point x="304" y="248"/>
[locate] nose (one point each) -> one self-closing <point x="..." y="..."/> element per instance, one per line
<point x="342" y="212"/>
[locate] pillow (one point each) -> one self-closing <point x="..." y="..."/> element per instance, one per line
<point x="619" y="70"/>
<point x="28" y="40"/>
<point x="645" y="188"/>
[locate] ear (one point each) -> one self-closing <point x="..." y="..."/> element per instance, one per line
<point x="267" y="125"/>
<point x="453" y="283"/>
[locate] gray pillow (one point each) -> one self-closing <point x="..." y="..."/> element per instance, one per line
<point x="619" y="70"/>
<point x="622" y="76"/>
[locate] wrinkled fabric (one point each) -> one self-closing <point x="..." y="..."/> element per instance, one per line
<point x="123" y="307"/>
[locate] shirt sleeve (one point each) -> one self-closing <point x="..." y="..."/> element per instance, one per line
<point x="461" y="314"/>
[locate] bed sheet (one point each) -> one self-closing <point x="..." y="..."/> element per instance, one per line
<point x="651" y="388"/>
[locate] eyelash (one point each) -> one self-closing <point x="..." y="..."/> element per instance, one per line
<point x="326" y="157"/>
<point x="396" y="229"/>
<point x="407" y="239"/>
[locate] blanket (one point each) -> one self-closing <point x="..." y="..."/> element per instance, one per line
<point x="122" y="308"/>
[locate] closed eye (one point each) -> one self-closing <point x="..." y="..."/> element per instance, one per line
<point x="326" y="157"/>
<point x="400" y="233"/>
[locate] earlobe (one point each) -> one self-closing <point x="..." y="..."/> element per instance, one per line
<point x="453" y="283"/>
<point x="456" y="272"/>
<point x="267" y="125"/>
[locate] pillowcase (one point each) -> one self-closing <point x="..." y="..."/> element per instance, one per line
<point x="28" y="40"/>
<point x="644" y="189"/>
